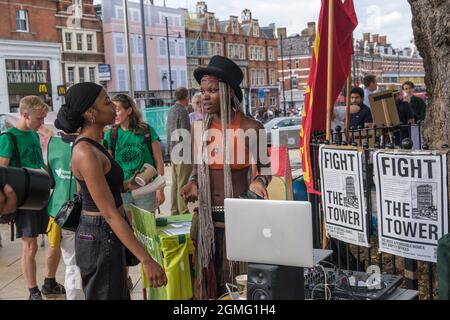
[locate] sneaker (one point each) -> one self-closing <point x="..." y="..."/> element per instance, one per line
<point x="130" y="283"/>
<point x="35" y="296"/>
<point x="53" y="292"/>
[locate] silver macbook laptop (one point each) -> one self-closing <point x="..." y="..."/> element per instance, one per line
<point x="271" y="232"/>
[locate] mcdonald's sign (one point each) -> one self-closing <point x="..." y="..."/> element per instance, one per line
<point x="43" y="88"/>
<point x="61" y="90"/>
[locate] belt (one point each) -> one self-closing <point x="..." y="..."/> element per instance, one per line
<point x="218" y="216"/>
<point x="97" y="214"/>
<point x="218" y="209"/>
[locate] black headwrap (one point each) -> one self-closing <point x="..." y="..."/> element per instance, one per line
<point x="79" y="98"/>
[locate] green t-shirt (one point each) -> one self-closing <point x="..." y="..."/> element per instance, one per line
<point x="131" y="150"/>
<point x="29" y="146"/>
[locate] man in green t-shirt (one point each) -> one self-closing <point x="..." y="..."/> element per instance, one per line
<point x="29" y="224"/>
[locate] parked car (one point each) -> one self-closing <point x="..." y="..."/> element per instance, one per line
<point x="287" y="129"/>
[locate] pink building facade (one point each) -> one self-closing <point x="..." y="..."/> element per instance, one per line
<point x="157" y="49"/>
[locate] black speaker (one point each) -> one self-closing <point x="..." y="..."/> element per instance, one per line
<point x="270" y="282"/>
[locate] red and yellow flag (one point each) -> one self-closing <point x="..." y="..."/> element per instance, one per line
<point x="315" y="108"/>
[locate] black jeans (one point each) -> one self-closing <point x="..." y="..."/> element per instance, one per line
<point x="101" y="258"/>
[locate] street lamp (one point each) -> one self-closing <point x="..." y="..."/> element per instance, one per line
<point x="282" y="74"/>
<point x="168" y="55"/>
<point x="290" y="69"/>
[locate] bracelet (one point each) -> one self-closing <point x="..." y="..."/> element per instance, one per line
<point x="193" y="178"/>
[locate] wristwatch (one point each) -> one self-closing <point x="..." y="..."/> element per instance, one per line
<point x="193" y="178"/>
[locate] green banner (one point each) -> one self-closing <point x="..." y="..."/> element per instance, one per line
<point x="172" y="252"/>
<point x="144" y="225"/>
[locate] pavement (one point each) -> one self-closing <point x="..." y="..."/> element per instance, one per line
<point x="12" y="280"/>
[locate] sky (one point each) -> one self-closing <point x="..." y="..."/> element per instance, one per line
<point x="385" y="17"/>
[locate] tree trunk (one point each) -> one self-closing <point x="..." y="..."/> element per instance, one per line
<point x="431" y="27"/>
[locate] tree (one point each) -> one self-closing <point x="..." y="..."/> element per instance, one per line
<point x="431" y="27"/>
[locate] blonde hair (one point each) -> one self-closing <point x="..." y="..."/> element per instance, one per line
<point x="31" y="104"/>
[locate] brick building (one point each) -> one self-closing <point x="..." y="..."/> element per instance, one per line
<point x="30" y="52"/>
<point x="80" y="33"/>
<point x="392" y="67"/>
<point x="250" y="46"/>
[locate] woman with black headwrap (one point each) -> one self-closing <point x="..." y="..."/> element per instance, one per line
<point x="103" y="232"/>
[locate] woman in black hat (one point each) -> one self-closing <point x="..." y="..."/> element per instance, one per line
<point x="103" y="234"/>
<point x="217" y="176"/>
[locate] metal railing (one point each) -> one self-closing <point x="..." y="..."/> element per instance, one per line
<point x="358" y="258"/>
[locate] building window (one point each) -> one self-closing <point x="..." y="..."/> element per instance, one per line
<point x="132" y="44"/>
<point x="172" y="47"/>
<point x="81" y="76"/>
<point x="78" y="7"/>
<point x="241" y="52"/>
<point x="68" y="40"/>
<point x="183" y="78"/>
<point x="182" y="51"/>
<point x="92" y="74"/>
<point x="271" y="55"/>
<point x="294" y="82"/>
<point x="174" y="79"/>
<point x="211" y="24"/>
<point x="119" y="12"/>
<point x="135" y="15"/>
<point x="119" y="44"/>
<point x="272" y="79"/>
<point x="255" y="30"/>
<point x="89" y="42"/>
<point x="219" y="49"/>
<point x="169" y="20"/>
<point x="140" y="45"/>
<point x="273" y="101"/>
<point x="162" y="47"/>
<point x="234" y="27"/>
<point x="177" y="21"/>
<point x="22" y="20"/>
<point x="261" y="78"/>
<point x="27" y="71"/>
<point x="142" y="74"/>
<point x="164" y="80"/>
<point x="122" y="80"/>
<point x="70" y="76"/>
<point x="79" y="41"/>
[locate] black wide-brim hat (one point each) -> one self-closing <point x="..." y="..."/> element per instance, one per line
<point x="224" y="69"/>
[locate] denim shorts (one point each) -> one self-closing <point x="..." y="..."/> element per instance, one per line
<point x="147" y="203"/>
<point x="101" y="258"/>
<point x="30" y="224"/>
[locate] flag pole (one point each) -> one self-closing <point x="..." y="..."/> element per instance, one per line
<point x="347" y="109"/>
<point x="329" y="89"/>
<point x="330" y="68"/>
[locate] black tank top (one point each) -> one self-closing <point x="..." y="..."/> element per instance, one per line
<point x="114" y="178"/>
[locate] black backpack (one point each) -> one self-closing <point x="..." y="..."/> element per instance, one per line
<point x="10" y="217"/>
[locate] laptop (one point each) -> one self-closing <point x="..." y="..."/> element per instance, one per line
<point x="271" y="232"/>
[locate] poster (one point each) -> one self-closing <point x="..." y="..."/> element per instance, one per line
<point x="343" y="194"/>
<point x="412" y="203"/>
